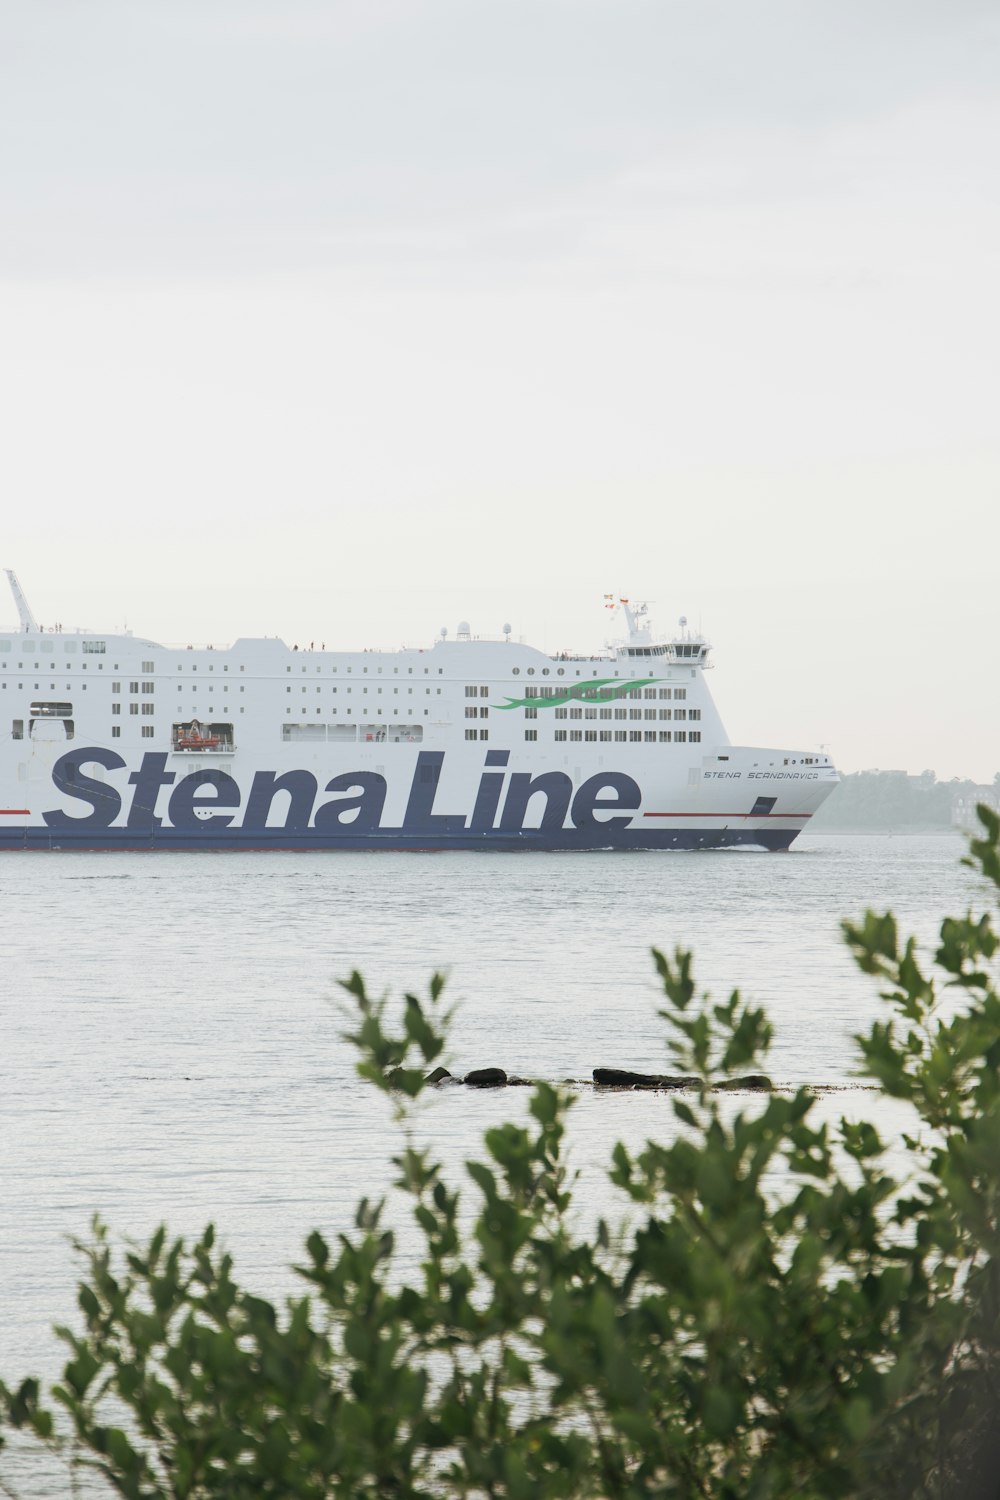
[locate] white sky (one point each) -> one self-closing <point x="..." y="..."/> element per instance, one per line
<point x="345" y="321"/>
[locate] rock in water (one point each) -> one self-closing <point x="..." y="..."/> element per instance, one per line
<point x="749" y="1081"/>
<point x="486" y="1078"/>
<point x="622" y="1078"/>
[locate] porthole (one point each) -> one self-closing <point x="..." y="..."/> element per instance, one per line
<point x="515" y="671"/>
<point x="531" y="671"/>
<point x="559" y="671"/>
<point x="545" y="671"/>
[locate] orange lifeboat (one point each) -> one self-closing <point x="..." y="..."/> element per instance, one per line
<point x="195" y="738"/>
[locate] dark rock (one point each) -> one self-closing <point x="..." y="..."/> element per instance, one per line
<point x="520" y="1083"/>
<point x="622" y="1078"/>
<point x="486" y="1078"/>
<point x="438" y="1076"/>
<point x="757" y="1081"/>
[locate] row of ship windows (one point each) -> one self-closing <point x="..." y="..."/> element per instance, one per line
<point x="89" y="648"/>
<point x="147" y="688"/>
<point x="147" y="666"/>
<point x="609" y="713"/>
<point x="607" y="736"/>
<point x="604" y="695"/>
<point x="99" y="648"/>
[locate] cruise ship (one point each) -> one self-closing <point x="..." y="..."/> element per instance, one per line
<point x="110" y="741"/>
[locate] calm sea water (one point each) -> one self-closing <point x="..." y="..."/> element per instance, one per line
<point x="170" y="1032"/>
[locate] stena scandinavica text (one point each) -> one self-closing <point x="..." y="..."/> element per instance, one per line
<point x="110" y="741"/>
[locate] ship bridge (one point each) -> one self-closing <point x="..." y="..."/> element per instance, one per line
<point x="684" y="647"/>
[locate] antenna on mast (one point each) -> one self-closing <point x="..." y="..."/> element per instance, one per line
<point x="28" y="621"/>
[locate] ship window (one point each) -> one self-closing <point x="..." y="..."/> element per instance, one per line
<point x="470" y="692"/>
<point x="619" y="736"/>
<point x="722" y="757"/>
<point x="605" y="713"/>
<point x="664" y="736"/>
<point x="94" y="648"/>
<point x="116" y="731"/>
<point x="133" y="708"/>
<point x="472" y="713"/>
<point x="116" y="708"/>
<point x="515" y="671"/>
<point x="531" y="671"/>
<point x="545" y="671"/>
<point x="147" y="731"/>
<point x="116" y="687"/>
<point x="147" y="710"/>
<point x="531" y="734"/>
<point x="679" y="737"/>
<point x="30" y="646"/>
<point x="695" y="735"/>
<point x="680" y="713"/>
<point x="649" y="692"/>
<point x="605" y="734"/>
<point x="649" y="713"/>
<point x="560" y="671"/>
<point x="560" y="713"/>
<point x="484" y="692"/>
<point x="680" y="692"/>
<point x="148" y="666"/>
<point x="620" y="713"/>
<point x="664" y="692"/>
<point x="649" y="735"/>
<point x="51" y="710"/>
<point x="590" y="734"/>
<point x="472" y="734"/>
<point x="147" y="687"/>
<point x="664" y="713"/>
<point x="17" y="730"/>
<point x="560" y="734"/>
<point x="634" y="734"/>
<point x="576" y="734"/>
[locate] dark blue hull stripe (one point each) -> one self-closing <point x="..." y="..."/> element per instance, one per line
<point x="394" y="838"/>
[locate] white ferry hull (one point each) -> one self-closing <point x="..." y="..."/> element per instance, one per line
<point x="437" y="800"/>
<point x="118" y="743"/>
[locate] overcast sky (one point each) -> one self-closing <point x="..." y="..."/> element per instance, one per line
<point x="345" y="321"/>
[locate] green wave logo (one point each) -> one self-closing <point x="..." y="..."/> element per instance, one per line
<point x="598" y="690"/>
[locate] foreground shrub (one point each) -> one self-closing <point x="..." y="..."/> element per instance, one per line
<point x="783" y="1317"/>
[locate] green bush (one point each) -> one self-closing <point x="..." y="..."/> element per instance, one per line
<point x="784" y="1317"/>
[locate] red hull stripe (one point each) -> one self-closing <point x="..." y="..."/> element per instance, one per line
<point x="15" y="812"/>
<point x="726" y="815"/>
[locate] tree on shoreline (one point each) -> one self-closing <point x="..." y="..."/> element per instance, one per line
<point x="783" y="1317"/>
<point x="896" y="801"/>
